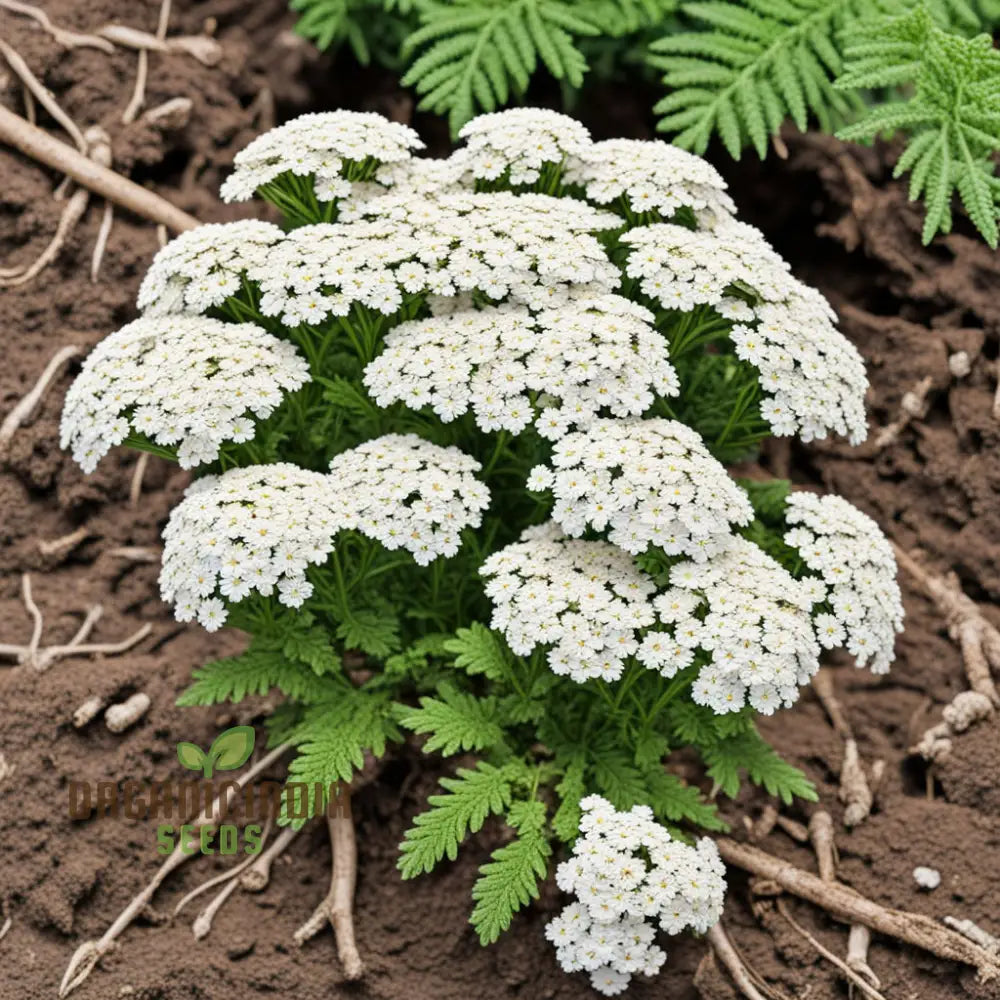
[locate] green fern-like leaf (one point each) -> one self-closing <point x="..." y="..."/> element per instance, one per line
<point x="262" y="667"/>
<point x="566" y="821"/>
<point x="456" y="721"/>
<point x="371" y="632"/>
<point x="479" y="650"/>
<point x="730" y="756"/>
<point x="333" y="736"/>
<point x="474" y="54"/>
<point x="674" y="802"/>
<point x="471" y="796"/>
<point x="510" y="881"/>
<point x="754" y="64"/>
<point x="951" y="119"/>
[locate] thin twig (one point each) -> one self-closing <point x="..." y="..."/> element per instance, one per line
<point x="25" y="409"/>
<point x="862" y="984"/>
<point x="40" y="146"/>
<point x="733" y="963"/>
<point x="88" y="954"/>
<point x="851" y="907"/>
<point x="135" y="487"/>
<point x="100" y="244"/>
<point x="68" y="39"/>
<point x="256" y="877"/>
<point x="43" y="96"/>
<point x="36" y="617"/>
<point x="64" y="543"/>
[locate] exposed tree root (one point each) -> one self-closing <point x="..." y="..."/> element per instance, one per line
<point x="978" y="639"/>
<point x="858" y="941"/>
<point x="226" y="875"/>
<point x="747" y="981"/>
<point x="39" y="145"/>
<point x="25" y="408"/>
<point x="257" y="876"/>
<point x="845" y="904"/>
<point x="821" y="837"/>
<point x="43" y="658"/>
<point x="63" y="37"/>
<point x="855" y="791"/>
<point x="64" y="544"/>
<point x="338" y="906"/>
<point x="975" y="933"/>
<point x="853" y="977"/>
<point x="86" y="957"/>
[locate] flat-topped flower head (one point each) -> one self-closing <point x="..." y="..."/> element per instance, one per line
<point x="519" y="142"/>
<point x="333" y="148"/>
<point x="185" y="382"/>
<point x="531" y="249"/>
<point x="813" y="376"/>
<point x="855" y="560"/>
<point x="647" y="483"/>
<point x="201" y="268"/>
<point x="584" y="600"/>
<point x="559" y="369"/>
<point x="408" y="493"/>
<point x="630" y="879"/>
<point x="650" y="177"/>
<point x="751" y="617"/>
<point x="250" y="530"/>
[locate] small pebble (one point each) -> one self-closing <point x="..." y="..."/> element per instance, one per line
<point x="927" y="878"/>
<point x="959" y="364"/>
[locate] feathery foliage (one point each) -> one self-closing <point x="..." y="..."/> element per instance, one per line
<point x="951" y="116"/>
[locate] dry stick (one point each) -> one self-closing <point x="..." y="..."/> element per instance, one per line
<point x="52" y="653"/>
<point x="135" y="488"/>
<point x="100" y="244"/>
<point x="851" y="907"/>
<point x="338" y="906"/>
<point x="256" y="877"/>
<point x="64" y="37"/>
<point x="913" y="406"/>
<point x="978" y="639"/>
<point x="90" y="952"/>
<point x="64" y="543"/>
<point x="734" y="964"/>
<point x="852" y="976"/>
<point x="36" y="617"/>
<point x="39" y="145"/>
<point x="135" y="553"/>
<point x="28" y="404"/>
<point x="824" y="844"/>
<point x="975" y="933"/>
<point x="44" y="97"/>
<point x="206" y="50"/>
<point x="226" y="875"/>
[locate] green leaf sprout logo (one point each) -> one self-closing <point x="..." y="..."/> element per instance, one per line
<point x="230" y="750"/>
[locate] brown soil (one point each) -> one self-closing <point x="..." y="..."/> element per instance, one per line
<point x="845" y="227"/>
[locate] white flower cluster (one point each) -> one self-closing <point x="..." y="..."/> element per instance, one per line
<point x="521" y="141"/>
<point x="411" y="494"/>
<point x="531" y="248"/>
<point x="201" y="268"/>
<point x="814" y="376"/>
<point x="631" y="877"/>
<point x="584" y="599"/>
<point x="252" y="529"/>
<point x="559" y="369"/>
<point x="651" y="177"/>
<point x="849" y="551"/>
<point x="650" y="482"/>
<point x="319" y="146"/>
<point x="185" y="381"/>
<point x="756" y="626"/>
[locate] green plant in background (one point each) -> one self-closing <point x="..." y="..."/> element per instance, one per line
<point x="459" y="435"/>
<point x="951" y="117"/>
<point x="736" y="69"/>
